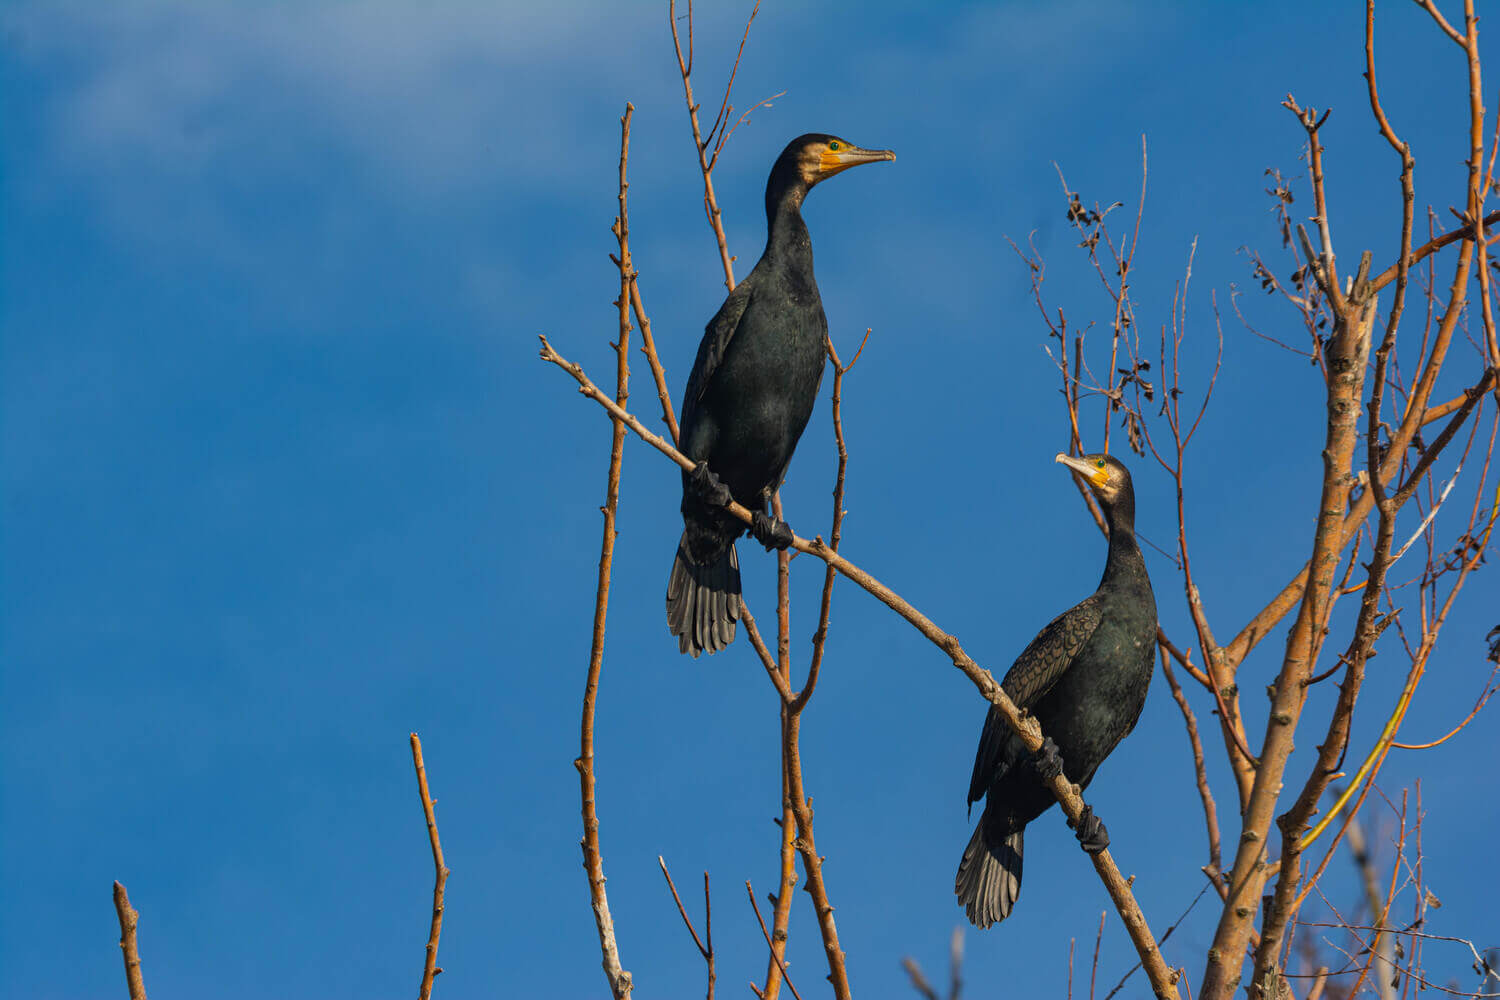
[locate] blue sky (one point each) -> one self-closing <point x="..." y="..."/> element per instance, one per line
<point x="283" y="480"/>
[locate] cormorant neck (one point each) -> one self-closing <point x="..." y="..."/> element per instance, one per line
<point x="786" y="233"/>
<point x="1124" y="552"/>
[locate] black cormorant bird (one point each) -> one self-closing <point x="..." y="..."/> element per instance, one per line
<point x="1084" y="677"/>
<point x="749" y="396"/>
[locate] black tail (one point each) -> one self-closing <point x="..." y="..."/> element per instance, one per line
<point x="703" y="601"/>
<point x="989" y="879"/>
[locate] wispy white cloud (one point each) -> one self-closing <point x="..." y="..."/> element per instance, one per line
<point x="437" y="96"/>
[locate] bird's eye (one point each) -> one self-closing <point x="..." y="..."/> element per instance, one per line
<point x="833" y="147"/>
<point x="1099" y="464"/>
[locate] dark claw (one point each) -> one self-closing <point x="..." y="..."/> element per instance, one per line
<point x="1090" y="831"/>
<point x="1047" y="761"/>
<point x="771" y="533"/>
<point x="709" y="487"/>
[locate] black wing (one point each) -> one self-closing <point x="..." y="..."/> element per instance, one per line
<point x="716" y="337"/>
<point x="1032" y="675"/>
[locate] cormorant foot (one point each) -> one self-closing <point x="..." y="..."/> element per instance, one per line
<point x="770" y="532"/>
<point x="1090" y="831"/>
<point x="1047" y="761"/>
<point x="709" y="487"/>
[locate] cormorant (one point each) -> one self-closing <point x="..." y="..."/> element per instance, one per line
<point x="749" y="396"/>
<point x="1084" y="677"/>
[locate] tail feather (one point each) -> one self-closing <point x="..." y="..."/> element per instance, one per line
<point x="703" y="601"/>
<point x="989" y="878"/>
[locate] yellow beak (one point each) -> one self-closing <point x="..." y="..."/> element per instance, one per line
<point x="1092" y="473"/>
<point x="831" y="162"/>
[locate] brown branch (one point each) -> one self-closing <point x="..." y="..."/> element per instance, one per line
<point x="791" y="708"/>
<point x="1293" y="822"/>
<point x="1210" y="811"/>
<point x="430" y="969"/>
<point x="710" y="200"/>
<point x="706" y="950"/>
<point x="789" y="732"/>
<point x="1489" y="689"/>
<point x="1479" y="182"/>
<point x="780" y="964"/>
<point x="1432" y="246"/>
<point x="1162" y="979"/>
<point x="820" y="637"/>
<point x="1442" y="22"/>
<point x="1094" y="970"/>
<point x="1346" y="352"/>
<point x="648" y="348"/>
<point x="812" y="861"/>
<point x="128" y="919"/>
<point x="918" y="981"/>
<point x="1167" y="934"/>
<point x="1369" y="770"/>
<point x="620" y="982"/>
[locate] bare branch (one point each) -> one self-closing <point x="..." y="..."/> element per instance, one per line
<point x="705" y="167"/>
<point x="128" y="919"/>
<point x="1210" y="811"/>
<point x="780" y="964"/>
<point x="430" y="968"/>
<point x="620" y="981"/>
<point x="1162" y="979"/>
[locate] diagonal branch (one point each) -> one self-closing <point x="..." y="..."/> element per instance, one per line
<point x="1163" y="979"/>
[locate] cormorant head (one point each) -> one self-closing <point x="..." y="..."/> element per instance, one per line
<point x="815" y="157"/>
<point x="1107" y="477"/>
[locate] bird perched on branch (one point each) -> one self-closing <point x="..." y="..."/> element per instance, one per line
<point x="1084" y="677"/>
<point x="749" y="396"/>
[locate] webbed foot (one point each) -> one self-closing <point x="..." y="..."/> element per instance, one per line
<point x="709" y="487"/>
<point x="1090" y="831"/>
<point x="771" y="532"/>
<point x="1047" y="761"/>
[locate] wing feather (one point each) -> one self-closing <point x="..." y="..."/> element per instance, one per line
<point x="1032" y="675"/>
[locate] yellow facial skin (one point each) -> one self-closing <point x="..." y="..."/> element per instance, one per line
<point x="1097" y="472"/>
<point x="835" y="156"/>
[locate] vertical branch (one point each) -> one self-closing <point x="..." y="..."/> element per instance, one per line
<point x="620" y="982"/>
<point x="812" y="863"/>
<point x="791" y="710"/>
<point x="1478" y="184"/>
<point x="430" y="970"/>
<point x="1346" y="352"/>
<point x="781" y="913"/>
<point x="128" y="918"/>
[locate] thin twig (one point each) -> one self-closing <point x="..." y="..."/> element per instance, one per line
<point x="1098" y="939"/>
<point x="710" y="200"/>
<point x="1210" y="811"/>
<point x="706" y="950"/>
<point x="767" y="934"/>
<point x="918" y="981"/>
<point x="430" y="968"/>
